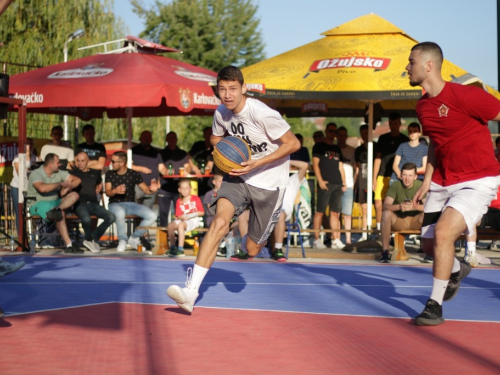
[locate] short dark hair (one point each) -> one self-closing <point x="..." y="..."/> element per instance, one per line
<point x="342" y="128"/>
<point x="394" y="116"/>
<point x="431" y="47"/>
<point x="415" y="125"/>
<point x="319" y="133"/>
<point x="121" y="154"/>
<point x="49" y="158"/>
<point x="299" y="136"/>
<point x="330" y="124"/>
<point x="409" y="167"/>
<point x="230" y="73"/>
<point x="57" y="127"/>
<point x="87" y="127"/>
<point x="363" y="127"/>
<point x="497" y="139"/>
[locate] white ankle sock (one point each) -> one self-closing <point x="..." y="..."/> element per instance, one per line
<point x="278" y="245"/>
<point x="471" y="248"/>
<point x="199" y="274"/>
<point x="438" y="289"/>
<point x="378" y="226"/>
<point x="456" y="265"/>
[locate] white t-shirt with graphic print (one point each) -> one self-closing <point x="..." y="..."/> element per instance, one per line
<point x="261" y="127"/>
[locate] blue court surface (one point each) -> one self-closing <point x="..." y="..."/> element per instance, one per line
<point x="50" y="283"/>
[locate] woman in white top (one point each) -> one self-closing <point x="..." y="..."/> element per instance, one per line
<point x="14" y="184"/>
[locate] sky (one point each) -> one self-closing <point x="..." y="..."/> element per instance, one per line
<point x="466" y="30"/>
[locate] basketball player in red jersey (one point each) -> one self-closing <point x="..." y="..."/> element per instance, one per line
<point x="462" y="174"/>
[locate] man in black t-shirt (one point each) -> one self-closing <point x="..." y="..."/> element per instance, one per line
<point x="145" y="160"/>
<point x="387" y="146"/>
<point x="95" y="151"/>
<point x="88" y="203"/>
<point x="201" y="153"/>
<point x="169" y="190"/>
<point x="120" y="188"/>
<point x="329" y="171"/>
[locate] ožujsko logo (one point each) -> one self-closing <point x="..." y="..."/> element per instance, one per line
<point x="314" y="107"/>
<point x="257" y="87"/>
<point x="377" y="63"/>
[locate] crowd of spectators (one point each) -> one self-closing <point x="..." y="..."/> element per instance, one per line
<point x="340" y="171"/>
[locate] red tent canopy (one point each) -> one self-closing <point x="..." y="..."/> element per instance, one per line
<point x="149" y="84"/>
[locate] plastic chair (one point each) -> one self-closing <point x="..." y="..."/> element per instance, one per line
<point x="294" y="227"/>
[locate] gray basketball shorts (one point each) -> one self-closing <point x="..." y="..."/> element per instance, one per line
<point x="264" y="205"/>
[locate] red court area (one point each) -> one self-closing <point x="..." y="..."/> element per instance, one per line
<point x="126" y="338"/>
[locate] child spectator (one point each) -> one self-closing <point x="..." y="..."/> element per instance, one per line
<point x="188" y="210"/>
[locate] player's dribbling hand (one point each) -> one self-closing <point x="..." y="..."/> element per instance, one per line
<point x="247" y="166"/>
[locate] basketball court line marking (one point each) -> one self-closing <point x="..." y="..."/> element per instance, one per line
<point x="240" y="309"/>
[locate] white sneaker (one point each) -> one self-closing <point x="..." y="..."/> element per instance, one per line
<point x="318" y="244"/>
<point x="337" y="244"/>
<point x="92" y="246"/>
<point x="122" y="246"/>
<point x="134" y="242"/>
<point x="184" y="297"/>
<point x="471" y="258"/>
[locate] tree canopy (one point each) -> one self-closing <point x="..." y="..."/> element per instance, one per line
<point x="211" y="33"/>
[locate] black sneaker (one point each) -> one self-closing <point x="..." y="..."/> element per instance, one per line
<point x="221" y="252"/>
<point x="278" y="255"/>
<point x="241" y="256"/>
<point x="55" y="215"/>
<point x="385" y="257"/>
<point x="455" y="280"/>
<point x="146" y="244"/>
<point x="427" y="259"/>
<point x="73" y="249"/>
<point x="176" y="253"/>
<point x="431" y="316"/>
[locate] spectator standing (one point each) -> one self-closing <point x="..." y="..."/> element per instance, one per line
<point x="348" y="159"/>
<point x="413" y="151"/>
<point x="145" y="160"/>
<point x="188" y="212"/>
<point x="329" y="171"/>
<point x="95" y="151"/>
<point x="361" y="176"/>
<point x="88" y="204"/>
<point x="172" y="156"/>
<point x="62" y="149"/>
<point x="303" y="153"/>
<point x="399" y="210"/>
<point x="384" y="159"/>
<point x="120" y="188"/>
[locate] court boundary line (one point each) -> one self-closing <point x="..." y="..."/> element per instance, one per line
<point x="239" y="309"/>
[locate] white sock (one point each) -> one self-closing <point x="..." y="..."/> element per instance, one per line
<point x="471" y="248"/>
<point x="456" y="265"/>
<point x="438" y="289"/>
<point x="378" y="226"/>
<point x="278" y="245"/>
<point x="199" y="274"/>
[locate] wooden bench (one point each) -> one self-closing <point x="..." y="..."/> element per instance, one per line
<point x="399" y="240"/>
<point x="70" y="218"/>
<point x="161" y="244"/>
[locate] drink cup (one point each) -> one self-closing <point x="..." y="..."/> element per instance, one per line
<point x="207" y="170"/>
<point x="181" y="171"/>
<point x="139" y="248"/>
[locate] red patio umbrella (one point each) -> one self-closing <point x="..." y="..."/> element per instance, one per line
<point x="148" y="84"/>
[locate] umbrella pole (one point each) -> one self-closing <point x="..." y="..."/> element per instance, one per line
<point x="129" y="112"/>
<point x="369" y="195"/>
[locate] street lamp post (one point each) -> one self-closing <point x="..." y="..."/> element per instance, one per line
<point x="74" y="35"/>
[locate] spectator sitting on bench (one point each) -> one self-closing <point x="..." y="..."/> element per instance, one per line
<point x="188" y="210"/>
<point x="88" y="204"/>
<point x="51" y="189"/>
<point x="399" y="213"/>
<point x="120" y="188"/>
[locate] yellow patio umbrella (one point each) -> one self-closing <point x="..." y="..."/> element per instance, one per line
<point x="355" y="66"/>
